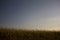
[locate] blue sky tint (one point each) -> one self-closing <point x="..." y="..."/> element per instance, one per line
<point x="30" y="14"/>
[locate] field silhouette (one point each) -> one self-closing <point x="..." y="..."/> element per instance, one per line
<point x="12" y="34"/>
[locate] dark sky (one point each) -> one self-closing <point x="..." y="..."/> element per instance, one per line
<point x="30" y="14"/>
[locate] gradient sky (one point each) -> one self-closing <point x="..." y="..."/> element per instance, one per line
<point x="30" y="14"/>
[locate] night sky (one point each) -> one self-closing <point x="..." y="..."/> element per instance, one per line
<point x="30" y="14"/>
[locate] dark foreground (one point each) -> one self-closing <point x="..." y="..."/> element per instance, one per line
<point x="6" y="34"/>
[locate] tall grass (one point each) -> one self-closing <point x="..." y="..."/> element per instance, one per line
<point x="10" y="34"/>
